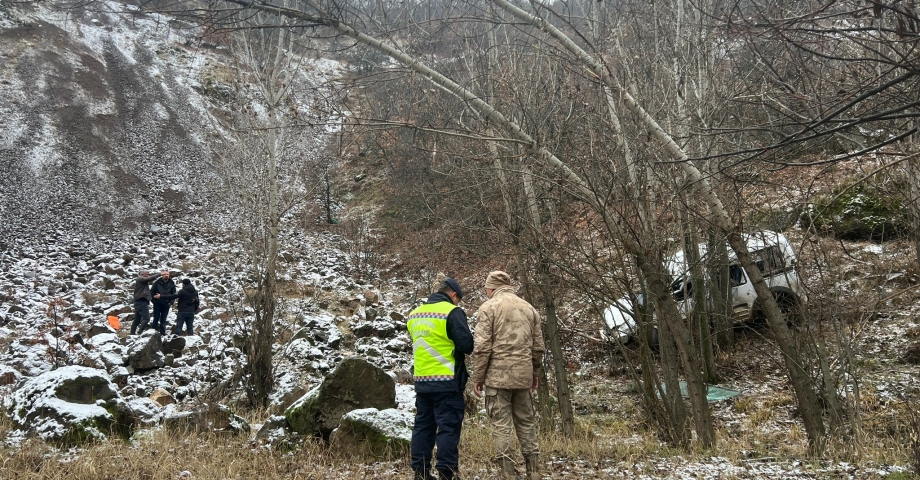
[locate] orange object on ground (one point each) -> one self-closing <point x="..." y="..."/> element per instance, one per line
<point x="113" y="321"/>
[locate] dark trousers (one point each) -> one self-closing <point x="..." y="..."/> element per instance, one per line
<point x="160" y="311"/>
<point x="141" y="316"/>
<point x="438" y="419"/>
<point x="185" y="318"/>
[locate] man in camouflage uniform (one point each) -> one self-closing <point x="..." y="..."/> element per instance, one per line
<point x="507" y="355"/>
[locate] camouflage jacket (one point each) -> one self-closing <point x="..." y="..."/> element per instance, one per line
<point x="508" y="341"/>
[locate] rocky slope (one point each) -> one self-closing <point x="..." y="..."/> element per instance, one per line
<point x="104" y="151"/>
<point x="102" y="127"/>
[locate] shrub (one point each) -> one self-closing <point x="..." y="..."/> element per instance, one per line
<point x="858" y="212"/>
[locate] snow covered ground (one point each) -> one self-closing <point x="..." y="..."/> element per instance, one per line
<point x="54" y="296"/>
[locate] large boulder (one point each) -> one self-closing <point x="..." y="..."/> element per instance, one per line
<point x="378" y="433"/>
<point x="285" y="396"/>
<point x="70" y="405"/>
<point x="354" y="384"/>
<point x="212" y="417"/>
<point x="108" y="349"/>
<point x="145" y="351"/>
<point x="865" y="211"/>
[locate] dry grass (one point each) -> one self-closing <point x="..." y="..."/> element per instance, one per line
<point x="163" y="455"/>
<point x="600" y="440"/>
<point x="611" y="435"/>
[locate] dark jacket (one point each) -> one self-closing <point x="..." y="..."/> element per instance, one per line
<point x="458" y="330"/>
<point x="165" y="289"/>
<point x="142" y="287"/>
<point x="187" y="296"/>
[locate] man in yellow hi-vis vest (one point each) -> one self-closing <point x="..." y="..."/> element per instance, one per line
<point x="441" y="339"/>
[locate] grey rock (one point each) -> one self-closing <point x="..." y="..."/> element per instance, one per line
<point x="274" y="425"/>
<point x="355" y="383"/>
<point x="99" y="328"/>
<point x="378" y="433"/>
<point x="70" y="405"/>
<point x="145" y="351"/>
<point x="174" y="346"/>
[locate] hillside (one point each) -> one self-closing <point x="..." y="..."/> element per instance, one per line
<point x="108" y="133"/>
<point x="103" y="127"/>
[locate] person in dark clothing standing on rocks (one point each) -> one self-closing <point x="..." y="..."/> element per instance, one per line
<point x="441" y="339"/>
<point x="142" y="301"/>
<point x="163" y="286"/>
<point x="186" y="306"/>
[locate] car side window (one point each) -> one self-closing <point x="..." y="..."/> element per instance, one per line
<point x="681" y="290"/>
<point x="769" y="261"/>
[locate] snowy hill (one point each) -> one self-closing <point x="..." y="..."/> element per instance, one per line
<point x="102" y="125"/>
<point x="108" y="173"/>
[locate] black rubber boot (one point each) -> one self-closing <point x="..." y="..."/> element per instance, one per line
<point x="448" y="475"/>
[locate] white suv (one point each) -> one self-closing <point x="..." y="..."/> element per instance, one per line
<point x="772" y="254"/>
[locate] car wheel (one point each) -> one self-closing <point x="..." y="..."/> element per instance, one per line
<point x="789" y="308"/>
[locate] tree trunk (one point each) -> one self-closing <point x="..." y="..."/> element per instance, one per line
<point x="801" y="382"/>
<point x="660" y="287"/>
<point x="722" y="315"/>
<point x="327" y="196"/>
<point x="563" y="393"/>
<point x="263" y="331"/>
<point x="673" y="400"/>
<point x="697" y="291"/>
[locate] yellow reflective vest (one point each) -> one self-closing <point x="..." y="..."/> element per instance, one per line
<point x="432" y="349"/>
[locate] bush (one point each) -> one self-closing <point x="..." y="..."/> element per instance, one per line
<point x="861" y="212"/>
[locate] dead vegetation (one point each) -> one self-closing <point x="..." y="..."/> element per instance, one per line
<point x="756" y="431"/>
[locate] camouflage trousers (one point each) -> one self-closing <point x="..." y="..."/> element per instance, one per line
<point x="511" y="412"/>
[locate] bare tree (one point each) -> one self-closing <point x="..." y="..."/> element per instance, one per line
<point x="676" y="131"/>
<point x="263" y="169"/>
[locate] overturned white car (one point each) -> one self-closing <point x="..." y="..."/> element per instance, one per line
<point x="770" y="251"/>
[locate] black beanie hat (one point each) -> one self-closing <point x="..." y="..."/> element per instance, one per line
<point x="450" y="282"/>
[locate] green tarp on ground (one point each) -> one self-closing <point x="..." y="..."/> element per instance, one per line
<point x="714" y="393"/>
